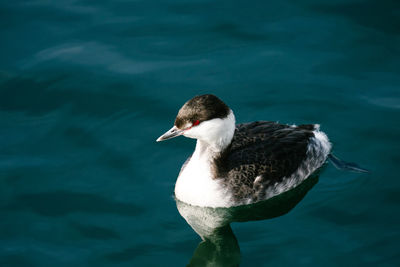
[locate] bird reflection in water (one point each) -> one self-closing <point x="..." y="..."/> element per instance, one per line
<point x="219" y="246"/>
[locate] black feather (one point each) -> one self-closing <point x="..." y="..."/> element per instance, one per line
<point x="262" y="148"/>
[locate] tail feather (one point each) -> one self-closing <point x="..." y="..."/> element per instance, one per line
<point x="345" y="166"/>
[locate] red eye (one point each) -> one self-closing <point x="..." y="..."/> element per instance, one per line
<point x="196" y="122"/>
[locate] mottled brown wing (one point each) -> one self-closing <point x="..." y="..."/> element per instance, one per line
<point x="263" y="149"/>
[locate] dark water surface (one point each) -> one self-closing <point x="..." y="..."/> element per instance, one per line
<point x="87" y="86"/>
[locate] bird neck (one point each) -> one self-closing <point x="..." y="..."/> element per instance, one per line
<point x="219" y="138"/>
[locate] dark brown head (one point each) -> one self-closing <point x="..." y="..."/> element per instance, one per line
<point x="198" y="118"/>
<point x="201" y="108"/>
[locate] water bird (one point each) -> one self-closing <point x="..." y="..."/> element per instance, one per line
<point x="240" y="164"/>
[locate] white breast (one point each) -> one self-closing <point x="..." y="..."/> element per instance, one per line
<point x="196" y="186"/>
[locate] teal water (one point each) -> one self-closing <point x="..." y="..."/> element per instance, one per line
<point x="87" y="86"/>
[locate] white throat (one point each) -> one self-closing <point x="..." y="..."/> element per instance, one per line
<point x="196" y="184"/>
<point x="214" y="135"/>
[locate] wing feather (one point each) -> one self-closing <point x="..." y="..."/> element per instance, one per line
<point x="261" y="154"/>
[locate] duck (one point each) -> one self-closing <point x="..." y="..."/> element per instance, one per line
<point x="241" y="164"/>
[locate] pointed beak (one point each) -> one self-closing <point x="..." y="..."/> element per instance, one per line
<point x="173" y="132"/>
